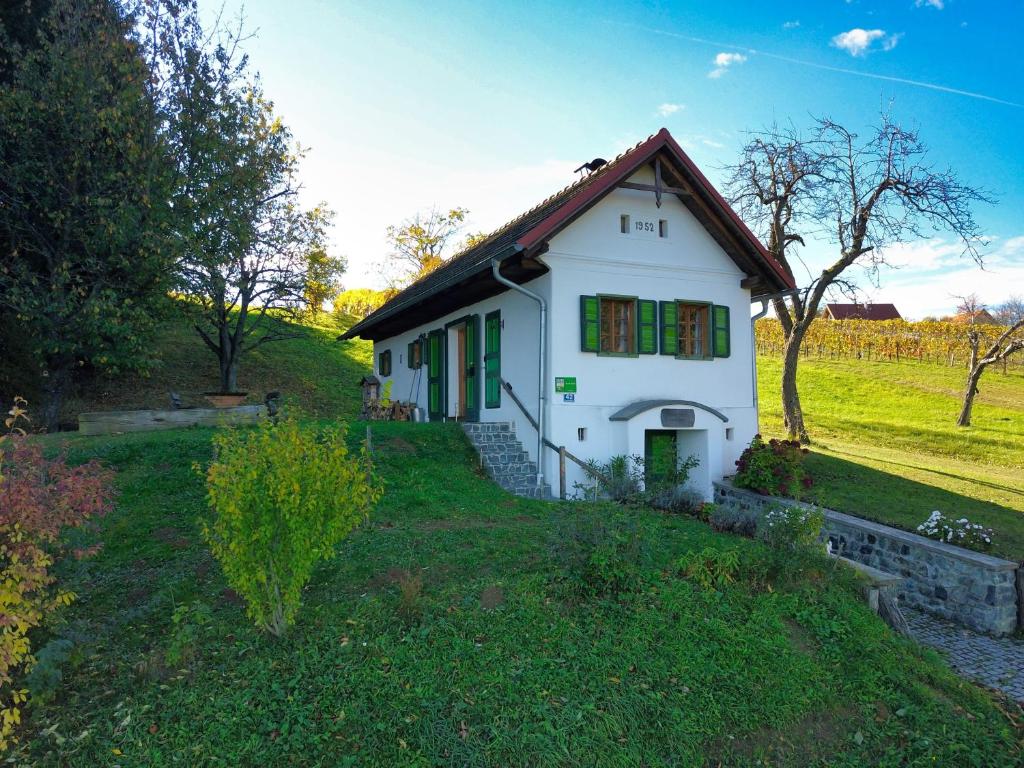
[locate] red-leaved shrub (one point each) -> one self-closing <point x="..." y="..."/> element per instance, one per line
<point x="39" y="498"/>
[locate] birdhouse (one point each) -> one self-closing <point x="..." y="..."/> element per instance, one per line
<point x="371" y="393"/>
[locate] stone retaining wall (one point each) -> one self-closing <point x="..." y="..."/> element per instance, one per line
<point x="971" y="588"/>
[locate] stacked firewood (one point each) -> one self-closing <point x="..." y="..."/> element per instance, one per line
<point x="387" y="410"/>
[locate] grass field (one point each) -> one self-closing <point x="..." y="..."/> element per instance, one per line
<point x="497" y="663"/>
<point x="886" y="445"/>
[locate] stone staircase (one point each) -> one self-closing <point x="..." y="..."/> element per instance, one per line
<point x="502" y="455"/>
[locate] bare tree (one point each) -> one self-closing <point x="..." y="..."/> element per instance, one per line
<point x="862" y="194"/>
<point x="1008" y="343"/>
<point x="1010" y="311"/>
<point x="420" y="245"/>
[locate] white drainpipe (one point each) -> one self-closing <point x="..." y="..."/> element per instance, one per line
<point x="753" y="356"/>
<point x="541" y="374"/>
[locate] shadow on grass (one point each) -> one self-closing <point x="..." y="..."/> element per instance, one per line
<point x="1018" y="492"/>
<point x="892" y="499"/>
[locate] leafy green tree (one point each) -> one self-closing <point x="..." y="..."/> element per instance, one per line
<point x="357" y="303"/>
<point x="323" y="277"/>
<point x="420" y="245"/>
<point x="83" y="191"/>
<point x="244" y="236"/>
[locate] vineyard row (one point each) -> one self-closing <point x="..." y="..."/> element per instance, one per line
<point x="936" y="342"/>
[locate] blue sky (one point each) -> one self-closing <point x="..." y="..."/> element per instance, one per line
<point x="490" y="106"/>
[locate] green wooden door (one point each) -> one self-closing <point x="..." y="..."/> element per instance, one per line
<point x="660" y="456"/>
<point x="435" y="375"/>
<point x="492" y="360"/>
<point x="472" y="368"/>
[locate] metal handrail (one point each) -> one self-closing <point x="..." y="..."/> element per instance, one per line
<point x="562" y="452"/>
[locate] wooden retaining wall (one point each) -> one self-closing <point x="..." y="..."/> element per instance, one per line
<point x="109" y="422"/>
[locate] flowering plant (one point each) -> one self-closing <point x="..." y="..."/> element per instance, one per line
<point x="773" y="468"/>
<point x="961" y="532"/>
<point x="793" y="527"/>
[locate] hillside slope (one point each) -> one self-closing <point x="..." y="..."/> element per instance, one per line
<point x="313" y="371"/>
<point x="886" y="444"/>
<point x="490" y="658"/>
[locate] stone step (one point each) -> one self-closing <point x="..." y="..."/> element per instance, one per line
<point x="505" y="460"/>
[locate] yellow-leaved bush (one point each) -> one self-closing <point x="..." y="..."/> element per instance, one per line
<point x="282" y="496"/>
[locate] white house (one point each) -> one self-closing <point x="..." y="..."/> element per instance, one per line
<point x="617" y="312"/>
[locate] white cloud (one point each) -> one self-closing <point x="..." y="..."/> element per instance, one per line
<point x="723" y="61"/>
<point x="936" y="4"/>
<point x="934" y="272"/>
<point x="890" y="42"/>
<point x="791" y="24"/>
<point x="666" y="109"/>
<point x="727" y="59"/>
<point x="858" y="42"/>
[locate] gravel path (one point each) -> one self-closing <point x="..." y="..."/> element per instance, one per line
<point x="997" y="662"/>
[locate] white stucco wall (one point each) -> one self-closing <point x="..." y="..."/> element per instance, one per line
<point x="519" y="338"/>
<point x="592" y="257"/>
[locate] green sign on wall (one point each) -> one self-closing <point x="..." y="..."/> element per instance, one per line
<point x="565" y="383"/>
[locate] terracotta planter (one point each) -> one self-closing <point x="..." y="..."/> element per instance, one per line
<point x="225" y="399"/>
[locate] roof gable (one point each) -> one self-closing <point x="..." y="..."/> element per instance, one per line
<point x="513" y="244"/>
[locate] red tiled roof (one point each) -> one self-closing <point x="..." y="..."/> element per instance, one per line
<point x="863" y="312"/>
<point x="530" y="231"/>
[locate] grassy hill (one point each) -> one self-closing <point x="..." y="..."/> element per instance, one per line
<point x="313" y="371"/>
<point x="886" y="444"/>
<point x="492" y="661"/>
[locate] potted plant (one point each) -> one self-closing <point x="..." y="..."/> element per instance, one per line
<point x="225" y="399"/>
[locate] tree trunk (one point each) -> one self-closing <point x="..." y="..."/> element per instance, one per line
<point x="792" y="413"/>
<point x="228" y="374"/>
<point x="228" y="357"/>
<point x="969" y="393"/>
<point x="58" y="379"/>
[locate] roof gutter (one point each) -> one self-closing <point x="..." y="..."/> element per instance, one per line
<point x="541" y="356"/>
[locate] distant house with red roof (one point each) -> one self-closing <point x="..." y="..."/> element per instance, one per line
<point x="861" y="312"/>
<point x="977" y="317"/>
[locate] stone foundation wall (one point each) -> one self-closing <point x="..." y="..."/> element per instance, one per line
<point x="971" y="588"/>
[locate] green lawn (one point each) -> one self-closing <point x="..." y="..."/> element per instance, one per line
<point x="886" y="445"/>
<point x="499" y="666"/>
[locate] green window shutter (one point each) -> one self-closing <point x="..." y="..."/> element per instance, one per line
<point x="721" y="343"/>
<point x="647" y="327"/>
<point x="669" y="328"/>
<point x="472" y="365"/>
<point x="492" y="360"/>
<point x="590" y="315"/>
<point x="435" y="375"/>
<point x="408" y="355"/>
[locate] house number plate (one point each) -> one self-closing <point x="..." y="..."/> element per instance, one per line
<point x="680" y="418"/>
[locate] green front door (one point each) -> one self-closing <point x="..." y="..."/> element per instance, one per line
<point x="472" y="366"/>
<point x="660" y="456"/>
<point x="435" y="375"/>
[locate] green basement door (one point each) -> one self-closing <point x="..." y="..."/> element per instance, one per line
<point x="661" y="451"/>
